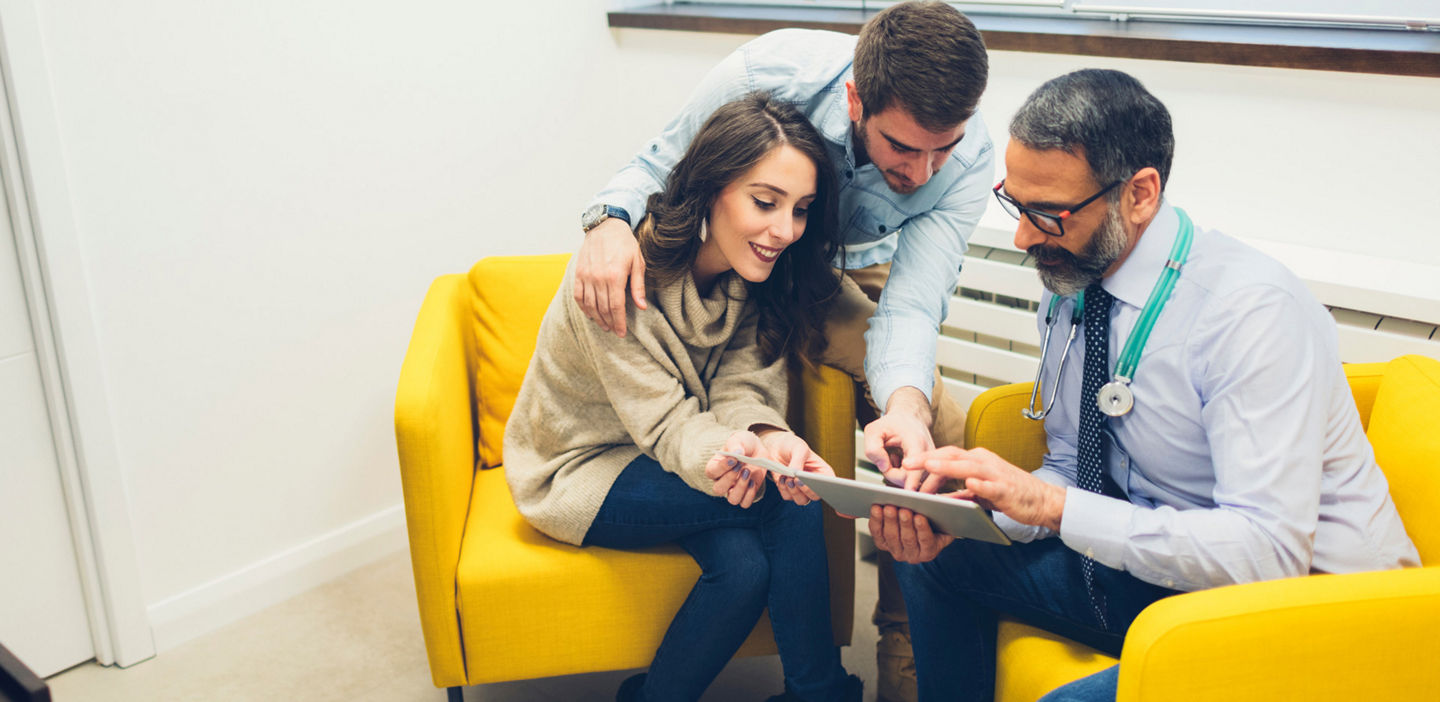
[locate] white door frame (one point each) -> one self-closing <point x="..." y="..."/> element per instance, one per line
<point x="57" y="290"/>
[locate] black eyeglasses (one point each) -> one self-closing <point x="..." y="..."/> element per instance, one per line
<point x="1052" y="223"/>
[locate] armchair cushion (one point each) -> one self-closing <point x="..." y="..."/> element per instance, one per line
<point x="530" y="606"/>
<point x="1030" y="661"/>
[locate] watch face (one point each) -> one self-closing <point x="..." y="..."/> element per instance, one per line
<point x="592" y="216"/>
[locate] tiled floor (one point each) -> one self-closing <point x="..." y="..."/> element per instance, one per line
<point x="358" y="638"/>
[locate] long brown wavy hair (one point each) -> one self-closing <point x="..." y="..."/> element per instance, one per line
<point x="793" y="301"/>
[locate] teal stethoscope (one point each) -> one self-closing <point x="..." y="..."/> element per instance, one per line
<point x="1115" y="397"/>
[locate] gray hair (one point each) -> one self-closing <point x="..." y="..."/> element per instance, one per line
<point x="1108" y="115"/>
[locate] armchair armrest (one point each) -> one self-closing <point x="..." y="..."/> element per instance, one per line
<point x="826" y="417"/>
<point x="435" y="436"/>
<point x="823" y="412"/>
<point x="1354" y="636"/>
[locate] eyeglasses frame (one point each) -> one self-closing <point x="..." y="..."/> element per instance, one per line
<point x="1057" y="218"/>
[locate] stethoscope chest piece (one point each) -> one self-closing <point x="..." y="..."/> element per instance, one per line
<point x="1115" y="398"/>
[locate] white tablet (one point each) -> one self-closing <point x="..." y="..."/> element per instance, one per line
<point x="949" y="515"/>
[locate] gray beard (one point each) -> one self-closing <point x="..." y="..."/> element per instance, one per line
<point x="1075" y="272"/>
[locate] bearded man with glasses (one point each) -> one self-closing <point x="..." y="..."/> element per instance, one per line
<point x="1224" y="448"/>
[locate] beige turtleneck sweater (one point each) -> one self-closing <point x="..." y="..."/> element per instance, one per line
<point x="686" y="376"/>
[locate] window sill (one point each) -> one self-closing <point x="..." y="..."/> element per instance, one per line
<point x="1392" y="52"/>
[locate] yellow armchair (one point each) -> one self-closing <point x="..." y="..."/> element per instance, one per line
<point x="1327" y="637"/>
<point x="498" y="600"/>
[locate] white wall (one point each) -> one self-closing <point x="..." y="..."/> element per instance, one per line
<point x="263" y="191"/>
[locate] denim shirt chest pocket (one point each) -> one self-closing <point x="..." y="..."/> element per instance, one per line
<point x="866" y="224"/>
<point x="867" y="221"/>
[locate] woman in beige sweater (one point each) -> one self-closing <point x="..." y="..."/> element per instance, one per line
<point x="613" y="441"/>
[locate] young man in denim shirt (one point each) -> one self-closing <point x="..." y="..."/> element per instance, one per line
<point x="914" y="162"/>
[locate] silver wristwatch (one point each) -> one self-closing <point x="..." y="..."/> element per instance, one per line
<point x="595" y="214"/>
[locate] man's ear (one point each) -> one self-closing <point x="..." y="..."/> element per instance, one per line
<point x="1142" y="198"/>
<point x="852" y="99"/>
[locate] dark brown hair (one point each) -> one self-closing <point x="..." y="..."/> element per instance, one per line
<point x="794" y="299"/>
<point x="926" y="57"/>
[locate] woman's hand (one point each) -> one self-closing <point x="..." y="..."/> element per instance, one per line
<point x="739" y="483"/>
<point x="792" y="451"/>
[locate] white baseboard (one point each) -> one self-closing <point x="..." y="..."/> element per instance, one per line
<point x="223" y="600"/>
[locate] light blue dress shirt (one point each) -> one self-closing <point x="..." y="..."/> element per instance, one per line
<point x="1244" y="458"/>
<point x="809" y="68"/>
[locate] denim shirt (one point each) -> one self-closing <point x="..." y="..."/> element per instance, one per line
<point x="923" y="235"/>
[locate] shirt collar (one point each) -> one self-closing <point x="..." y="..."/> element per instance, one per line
<point x="1137" y="276"/>
<point x="834" y="124"/>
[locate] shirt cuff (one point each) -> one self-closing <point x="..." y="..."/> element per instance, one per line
<point x="886" y="382"/>
<point x="633" y="204"/>
<point x="1095" y="526"/>
<point x="1017" y="531"/>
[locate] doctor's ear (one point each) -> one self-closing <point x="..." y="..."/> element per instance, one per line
<point x="1142" y="196"/>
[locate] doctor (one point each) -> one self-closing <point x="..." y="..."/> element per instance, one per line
<point x="1203" y="433"/>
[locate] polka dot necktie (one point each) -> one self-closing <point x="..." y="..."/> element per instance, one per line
<point x="1092" y="440"/>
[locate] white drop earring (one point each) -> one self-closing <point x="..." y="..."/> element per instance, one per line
<point x="704" y="230"/>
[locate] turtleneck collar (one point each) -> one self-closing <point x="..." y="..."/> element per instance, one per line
<point x="704" y="320"/>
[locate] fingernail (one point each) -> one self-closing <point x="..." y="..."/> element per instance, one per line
<point x="731" y="462"/>
<point x="745" y="474"/>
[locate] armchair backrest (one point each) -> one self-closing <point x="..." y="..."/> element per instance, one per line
<point x="1405" y="432"/>
<point x="995" y="422"/>
<point x="511" y="294"/>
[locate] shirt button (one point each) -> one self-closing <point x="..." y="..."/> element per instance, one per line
<point x="849" y="173"/>
<point x="654" y="148"/>
<point x="1170" y="584"/>
<point x="882" y="229"/>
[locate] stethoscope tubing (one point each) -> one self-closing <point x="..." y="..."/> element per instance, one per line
<point x="1129" y="359"/>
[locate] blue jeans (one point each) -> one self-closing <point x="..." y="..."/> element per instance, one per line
<point x="772" y="554"/>
<point x="954" y="602"/>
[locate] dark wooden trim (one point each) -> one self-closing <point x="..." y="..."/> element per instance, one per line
<point x="1384" y="51"/>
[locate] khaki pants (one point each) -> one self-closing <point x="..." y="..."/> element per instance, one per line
<point x="845" y="333"/>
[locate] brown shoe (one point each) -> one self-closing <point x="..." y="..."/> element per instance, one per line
<point x="895" y="666"/>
